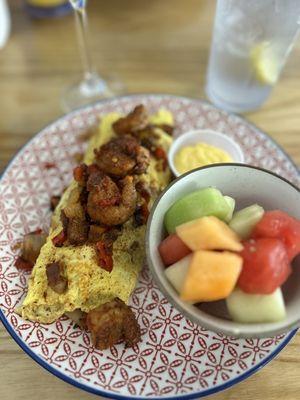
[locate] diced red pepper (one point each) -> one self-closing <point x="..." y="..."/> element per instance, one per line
<point x="21" y="264"/>
<point x="141" y="214"/>
<point x="160" y="154"/>
<point x="145" y="212"/>
<point x="49" y="165"/>
<point x="59" y="239"/>
<point x="145" y="195"/>
<point x="80" y="173"/>
<point x="104" y="252"/>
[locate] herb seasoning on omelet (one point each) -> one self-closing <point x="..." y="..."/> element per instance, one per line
<point x="90" y="262"/>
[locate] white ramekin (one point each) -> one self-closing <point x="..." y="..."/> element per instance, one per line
<point x="208" y="136"/>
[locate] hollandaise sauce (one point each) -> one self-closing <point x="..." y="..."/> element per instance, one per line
<point x="198" y="155"/>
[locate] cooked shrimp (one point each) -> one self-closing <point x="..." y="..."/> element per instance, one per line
<point x="104" y="190"/>
<point x="122" y="156"/>
<point x="112" y="159"/>
<point x="110" y="205"/>
<point x="135" y="121"/>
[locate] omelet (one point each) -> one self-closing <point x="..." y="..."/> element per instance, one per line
<point x="89" y="285"/>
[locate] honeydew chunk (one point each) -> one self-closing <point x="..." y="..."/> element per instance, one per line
<point x="208" y="201"/>
<point x="244" y="221"/>
<point x="211" y="276"/>
<point x="176" y="272"/>
<point x="231" y="202"/>
<point x="208" y="233"/>
<point x="256" y="308"/>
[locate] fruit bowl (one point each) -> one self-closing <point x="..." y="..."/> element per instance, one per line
<point x="247" y="185"/>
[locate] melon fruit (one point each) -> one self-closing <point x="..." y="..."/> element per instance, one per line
<point x="208" y="233"/>
<point x="244" y="221"/>
<point x="256" y="308"/>
<point x="208" y="201"/>
<point x="176" y="273"/>
<point x="172" y="249"/>
<point x="211" y="276"/>
<point x="231" y="203"/>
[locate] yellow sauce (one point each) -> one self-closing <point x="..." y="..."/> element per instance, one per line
<point x="198" y="155"/>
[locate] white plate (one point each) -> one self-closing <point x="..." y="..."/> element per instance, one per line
<point x="175" y="358"/>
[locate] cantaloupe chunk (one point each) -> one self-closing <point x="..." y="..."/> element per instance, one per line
<point x="212" y="275"/>
<point x="208" y="233"/>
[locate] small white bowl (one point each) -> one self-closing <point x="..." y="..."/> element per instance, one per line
<point x="208" y="136"/>
<point x="247" y="185"/>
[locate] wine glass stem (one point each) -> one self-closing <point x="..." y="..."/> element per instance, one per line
<point x="82" y="32"/>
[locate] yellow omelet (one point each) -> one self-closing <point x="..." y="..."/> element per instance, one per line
<point x="89" y="285"/>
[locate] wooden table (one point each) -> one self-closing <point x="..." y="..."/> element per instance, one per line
<point x="154" y="46"/>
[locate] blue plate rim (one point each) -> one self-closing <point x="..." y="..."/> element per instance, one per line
<point x="116" y="396"/>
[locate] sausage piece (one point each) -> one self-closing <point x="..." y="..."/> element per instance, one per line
<point x="112" y="322"/>
<point x="56" y="280"/>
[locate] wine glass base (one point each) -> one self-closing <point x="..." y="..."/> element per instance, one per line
<point x="93" y="88"/>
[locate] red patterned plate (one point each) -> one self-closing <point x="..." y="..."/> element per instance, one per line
<point x="176" y="358"/>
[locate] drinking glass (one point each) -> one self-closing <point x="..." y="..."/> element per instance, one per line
<point x="92" y="87"/>
<point x="251" y="42"/>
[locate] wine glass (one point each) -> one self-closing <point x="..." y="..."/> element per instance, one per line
<point x="92" y="87"/>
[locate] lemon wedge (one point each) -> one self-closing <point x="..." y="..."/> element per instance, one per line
<point x="265" y="63"/>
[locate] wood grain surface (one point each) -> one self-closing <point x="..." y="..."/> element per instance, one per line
<point x="158" y="46"/>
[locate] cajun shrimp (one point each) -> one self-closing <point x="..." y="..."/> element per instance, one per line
<point x="135" y="121"/>
<point x="122" y="156"/>
<point x="110" y="203"/>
